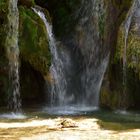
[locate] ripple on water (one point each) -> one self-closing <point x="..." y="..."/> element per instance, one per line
<point x="70" y="110"/>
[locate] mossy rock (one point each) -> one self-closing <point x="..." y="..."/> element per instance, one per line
<point x="33" y="41"/>
<point x="34" y="54"/>
<point x="133" y="42"/>
<point x="133" y="49"/>
<point x="3" y="21"/>
<point x="112" y="92"/>
<point x="115" y="95"/>
<point x="32" y="85"/>
<point x="3" y="60"/>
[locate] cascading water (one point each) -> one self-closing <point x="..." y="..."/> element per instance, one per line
<point x="13" y="56"/>
<point x="92" y="50"/>
<point x="127" y="26"/>
<point x="59" y="83"/>
<point x="94" y="64"/>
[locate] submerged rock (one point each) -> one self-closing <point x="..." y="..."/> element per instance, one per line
<point x="68" y="123"/>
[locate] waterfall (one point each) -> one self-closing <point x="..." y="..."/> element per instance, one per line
<point x="13" y="56"/>
<point x="59" y="83"/>
<point x="95" y="56"/>
<point x="63" y="99"/>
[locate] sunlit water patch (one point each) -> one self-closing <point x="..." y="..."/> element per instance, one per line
<point x="34" y="123"/>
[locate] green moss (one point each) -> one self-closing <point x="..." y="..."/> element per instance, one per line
<point x="133" y="50"/>
<point x="110" y="99"/>
<point x="114" y="99"/>
<point x="33" y="41"/>
<point x="112" y="95"/>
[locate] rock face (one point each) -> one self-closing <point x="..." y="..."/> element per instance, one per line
<point x="112" y="93"/>
<point x="63" y="14"/>
<point x="34" y="54"/>
<point x="33" y="41"/>
<point x="27" y="3"/>
<point x="3" y="60"/>
<point x="109" y="26"/>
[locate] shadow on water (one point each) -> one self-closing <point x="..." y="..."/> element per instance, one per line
<point x="117" y="121"/>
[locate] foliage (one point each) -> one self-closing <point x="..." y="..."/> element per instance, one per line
<point x="133" y="50"/>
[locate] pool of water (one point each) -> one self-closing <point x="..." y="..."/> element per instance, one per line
<point x="70" y="110"/>
<point x="73" y="122"/>
<point x="73" y="112"/>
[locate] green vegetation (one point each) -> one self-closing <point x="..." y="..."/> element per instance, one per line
<point x="33" y="41"/>
<point x="34" y="52"/>
<point x="133" y="49"/>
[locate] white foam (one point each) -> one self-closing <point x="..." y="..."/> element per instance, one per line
<point x="123" y="112"/>
<point x="13" y="115"/>
<point x="70" y="110"/>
